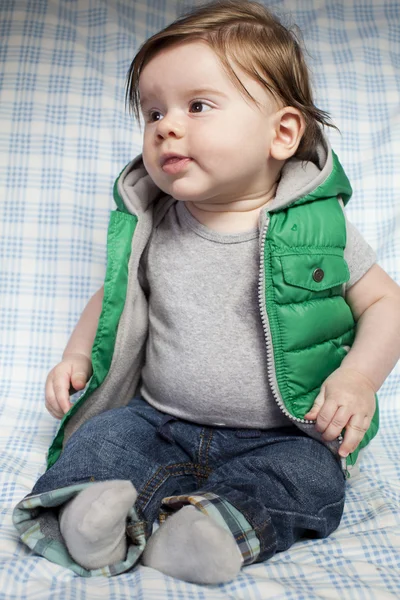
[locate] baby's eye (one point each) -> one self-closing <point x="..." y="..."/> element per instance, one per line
<point x="197" y="107"/>
<point x="154" y="115"/>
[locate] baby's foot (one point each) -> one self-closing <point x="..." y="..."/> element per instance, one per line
<point x="93" y="523"/>
<point x="193" y="547"/>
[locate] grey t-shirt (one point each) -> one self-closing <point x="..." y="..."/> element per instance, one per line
<point x="205" y="353"/>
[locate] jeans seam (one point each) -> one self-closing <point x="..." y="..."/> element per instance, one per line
<point x="193" y="471"/>
<point x="154" y="483"/>
<point x="145" y="496"/>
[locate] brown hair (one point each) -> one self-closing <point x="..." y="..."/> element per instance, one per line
<point x="247" y="33"/>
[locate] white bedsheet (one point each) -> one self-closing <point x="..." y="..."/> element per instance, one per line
<point x="64" y="137"/>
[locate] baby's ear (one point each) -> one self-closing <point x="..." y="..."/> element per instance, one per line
<point x="289" y="129"/>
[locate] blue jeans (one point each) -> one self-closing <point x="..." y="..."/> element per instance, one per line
<point x="281" y="484"/>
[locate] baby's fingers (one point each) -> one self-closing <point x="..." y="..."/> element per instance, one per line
<point x="50" y="400"/>
<point x="57" y="394"/>
<point x="332" y="423"/>
<point x="52" y="406"/>
<point x="355" y="431"/>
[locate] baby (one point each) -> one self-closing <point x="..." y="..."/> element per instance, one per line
<point x="234" y="353"/>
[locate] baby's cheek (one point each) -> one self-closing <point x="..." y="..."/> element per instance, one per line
<point x="146" y="158"/>
<point x="151" y="168"/>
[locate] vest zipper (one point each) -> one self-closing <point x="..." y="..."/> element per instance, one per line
<point x="267" y="334"/>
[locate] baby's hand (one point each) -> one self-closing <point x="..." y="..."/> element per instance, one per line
<point x="69" y="376"/>
<point x="346" y="400"/>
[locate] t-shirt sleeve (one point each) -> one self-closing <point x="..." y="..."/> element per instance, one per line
<point x="358" y="254"/>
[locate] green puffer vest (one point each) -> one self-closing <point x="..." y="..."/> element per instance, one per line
<point x="307" y="323"/>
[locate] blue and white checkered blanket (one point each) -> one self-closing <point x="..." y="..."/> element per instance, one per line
<point x="64" y="136"/>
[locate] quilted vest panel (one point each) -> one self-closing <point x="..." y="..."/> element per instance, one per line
<point x="311" y="325"/>
<point x="310" y="322"/>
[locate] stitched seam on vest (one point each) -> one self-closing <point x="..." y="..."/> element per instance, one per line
<point x="310" y="301"/>
<point x="305" y="250"/>
<point x="307" y="287"/>
<point x="320" y="343"/>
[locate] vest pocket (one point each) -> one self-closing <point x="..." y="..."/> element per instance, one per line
<point x="314" y="272"/>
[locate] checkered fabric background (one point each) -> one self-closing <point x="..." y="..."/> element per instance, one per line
<point x="64" y="136"/>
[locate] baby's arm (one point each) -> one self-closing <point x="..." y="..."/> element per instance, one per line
<point x="347" y="397"/>
<point x="76" y="365"/>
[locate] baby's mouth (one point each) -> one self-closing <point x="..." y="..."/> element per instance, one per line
<point x="175" y="164"/>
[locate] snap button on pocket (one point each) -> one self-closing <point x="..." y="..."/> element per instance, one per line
<point x="318" y="275"/>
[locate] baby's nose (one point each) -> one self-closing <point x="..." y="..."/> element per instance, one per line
<point x="170" y="126"/>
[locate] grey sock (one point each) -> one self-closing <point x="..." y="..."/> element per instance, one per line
<point x="93" y="523"/>
<point x="193" y="547"/>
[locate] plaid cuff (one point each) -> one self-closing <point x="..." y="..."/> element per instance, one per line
<point x="223" y="513"/>
<point x="34" y="518"/>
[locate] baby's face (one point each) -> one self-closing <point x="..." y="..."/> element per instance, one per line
<point x="203" y="140"/>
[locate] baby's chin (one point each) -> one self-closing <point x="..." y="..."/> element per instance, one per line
<point x="179" y="190"/>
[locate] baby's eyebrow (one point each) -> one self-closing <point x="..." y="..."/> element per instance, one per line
<point x="192" y="93"/>
<point x="206" y="90"/>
